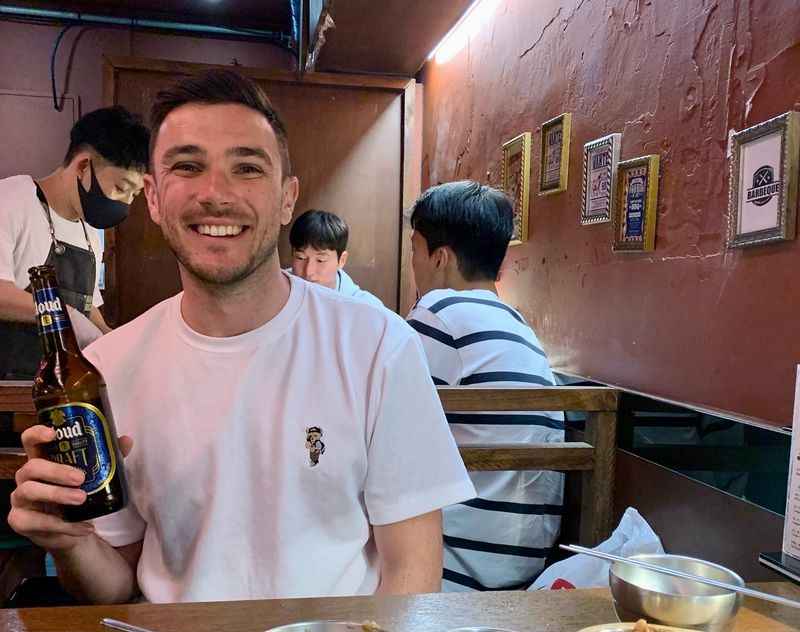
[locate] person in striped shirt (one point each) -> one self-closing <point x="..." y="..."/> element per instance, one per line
<point x="500" y="539"/>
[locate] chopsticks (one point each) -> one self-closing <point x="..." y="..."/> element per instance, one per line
<point x="669" y="571"/>
<point x="114" y="624"/>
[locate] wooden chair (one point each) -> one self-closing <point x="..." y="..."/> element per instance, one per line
<point x="15" y="398"/>
<point x="593" y="457"/>
<point x="18" y="557"/>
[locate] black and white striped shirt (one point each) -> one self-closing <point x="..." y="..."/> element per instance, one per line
<point x="500" y="539"/>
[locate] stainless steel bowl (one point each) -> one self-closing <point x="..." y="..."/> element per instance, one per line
<point x="643" y="594"/>
<point x="320" y="626"/>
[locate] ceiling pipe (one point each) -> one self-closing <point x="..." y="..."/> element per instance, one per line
<point x="295" y="9"/>
<point x="275" y="37"/>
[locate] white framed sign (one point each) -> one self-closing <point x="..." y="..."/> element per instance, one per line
<point x="762" y="202"/>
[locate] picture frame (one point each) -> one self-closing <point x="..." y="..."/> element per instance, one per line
<point x="554" y="154"/>
<point x="636" y="204"/>
<point x="600" y="161"/>
<point x="762" y="197"/>
<point x="515" y="176"/>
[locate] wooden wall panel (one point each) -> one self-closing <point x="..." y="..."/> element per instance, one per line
<point x="346" y="150"/>
<point x="697" y="520"/>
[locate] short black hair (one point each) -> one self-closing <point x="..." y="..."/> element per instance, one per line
<point x="475" y="220"/>
<point x="321" y="230"/>
<point x="217" y="87"/>
<point x="116" y="134"/>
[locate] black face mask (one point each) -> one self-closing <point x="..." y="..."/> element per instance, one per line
<point x="98" y="210"/>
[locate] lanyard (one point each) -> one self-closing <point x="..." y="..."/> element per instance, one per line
<point x="59" y="247"/>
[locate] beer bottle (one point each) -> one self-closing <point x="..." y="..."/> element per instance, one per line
<point x="70" y="396"/>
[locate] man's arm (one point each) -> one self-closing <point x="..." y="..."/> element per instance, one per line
<point x="96" y="572"/>
<point x="97" y="318"/>
<point x="410" y="555"/>
<point x="15" y="304"/>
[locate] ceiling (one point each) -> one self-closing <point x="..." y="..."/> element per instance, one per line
<point x="370" y="36"/>
<point x="386" y="36"/>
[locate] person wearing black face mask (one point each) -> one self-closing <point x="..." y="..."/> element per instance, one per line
<point x="56" y="219"/>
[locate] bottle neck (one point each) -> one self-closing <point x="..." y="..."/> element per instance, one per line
<point x="55" y="330"/>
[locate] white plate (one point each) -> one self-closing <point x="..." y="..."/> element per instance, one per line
<point x="627" y="627"/>
<point x="322" y="626"/>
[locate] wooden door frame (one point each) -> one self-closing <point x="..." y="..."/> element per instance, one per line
<point x="410" y="163"/>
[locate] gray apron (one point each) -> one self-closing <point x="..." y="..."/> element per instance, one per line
<point x="76" y="268"/>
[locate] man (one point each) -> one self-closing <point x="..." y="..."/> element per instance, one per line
<point x="219" y="387"/>
<point x="46" y="221"/>
<point x="319" y="252"/>
<point x="461" y="233"/>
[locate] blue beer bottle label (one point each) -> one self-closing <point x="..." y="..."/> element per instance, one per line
<point x="83" y="441"/>
<point x="51" y="315"/>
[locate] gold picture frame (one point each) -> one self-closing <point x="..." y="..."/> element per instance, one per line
<point x="515" y="176"/>
<point x="600" y="161"/>
<point x="763" y="188"/>
<point x="636" y="204"/>
<point x="554" y="154"/>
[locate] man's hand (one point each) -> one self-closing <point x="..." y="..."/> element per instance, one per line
<point x="42" y="488"/>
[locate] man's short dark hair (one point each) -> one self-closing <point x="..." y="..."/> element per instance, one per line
<point x="118" y="136"/>
<point x="321" y="230"/>
<point x="218" y="87"/>
<point x="476" y="221"/>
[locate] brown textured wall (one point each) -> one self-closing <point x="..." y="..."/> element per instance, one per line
<point x="691" y="321"/>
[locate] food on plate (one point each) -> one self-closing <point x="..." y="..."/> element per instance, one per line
<point x="641" y="626"/>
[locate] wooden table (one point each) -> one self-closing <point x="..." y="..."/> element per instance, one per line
<point x="543" y="611"/>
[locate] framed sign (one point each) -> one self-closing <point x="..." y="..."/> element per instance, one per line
<point x="762" y="200"/>
<point x="554" y="155"/>
<point x="600" y="158"/>
<point x="637" y="199"/>
<point x="516" y="182"/>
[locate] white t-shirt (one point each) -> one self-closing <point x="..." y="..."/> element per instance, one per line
<point x="501" y="538"/>
<point x="348" y="287"/>
<point x="25" y="234"/>
<point x="224" y="493"/>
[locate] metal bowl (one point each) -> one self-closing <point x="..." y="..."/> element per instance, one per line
<point x="321" y="626"/>
<point x="643" y="594"/>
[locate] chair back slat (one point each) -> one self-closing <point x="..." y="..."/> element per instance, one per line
<point x="557" y="398"/>
<point x="564" y="457"/>
<point x="15" y="397"/>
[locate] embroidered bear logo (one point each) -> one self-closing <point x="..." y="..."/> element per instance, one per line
<point x="314" y="445"/>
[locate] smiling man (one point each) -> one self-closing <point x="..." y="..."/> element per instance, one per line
<point x="287" y="441"/>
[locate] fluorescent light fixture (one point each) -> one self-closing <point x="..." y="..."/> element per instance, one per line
<point x="458" y="36"/>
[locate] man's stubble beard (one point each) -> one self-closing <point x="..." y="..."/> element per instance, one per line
<point x="220" y="279"/>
